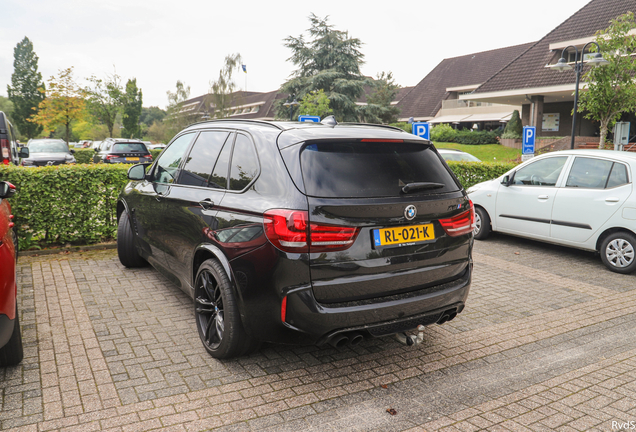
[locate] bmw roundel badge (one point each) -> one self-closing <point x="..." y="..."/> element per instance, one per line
<point x="410" y="212"/>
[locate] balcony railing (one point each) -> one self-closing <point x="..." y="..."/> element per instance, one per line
<point x="457" y="103"/>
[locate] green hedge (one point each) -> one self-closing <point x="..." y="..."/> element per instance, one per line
<point x="67" y="203"/>
<point x="471" y="173"/>
<point x="85" y="156"/>
<point x="446" y="133"/>
<point x="77" y="203"/>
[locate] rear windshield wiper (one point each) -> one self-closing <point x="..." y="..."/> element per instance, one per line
<point x="412" y="187"/>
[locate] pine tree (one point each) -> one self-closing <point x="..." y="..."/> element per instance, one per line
<point x="330" y="62"/>
<point x="132" y="110"/>
<point x="514" y="128"/>
<point x="23" y="91"/>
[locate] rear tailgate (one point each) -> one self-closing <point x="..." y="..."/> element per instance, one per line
<point x="401" y="244"/>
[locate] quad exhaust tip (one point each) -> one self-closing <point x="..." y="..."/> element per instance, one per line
<point x="344" y="339"/>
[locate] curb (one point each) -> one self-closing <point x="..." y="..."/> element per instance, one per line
<point x="112" y="245"/>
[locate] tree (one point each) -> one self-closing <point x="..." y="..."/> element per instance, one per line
<point x="178" y="117"/>
<point x="315" y="103"/>
<point x="23" y="91"/>
<point x="611" y="89"/>
<point x="331" y="62"/>
<point x="105" y="99"/>
<point x="132" y="101"/>
<point x="151" y="115"/>
<point x="514" y="127"/>
<point x="64" y="103"/>
<point x="379" y="108"/>
<point x="221" y="92"/>
<point x="158" y="132"/>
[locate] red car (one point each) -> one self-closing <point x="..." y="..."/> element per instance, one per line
<point x="11" y="352"/>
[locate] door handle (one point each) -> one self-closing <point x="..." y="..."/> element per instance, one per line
<point x="207" y="204"/>
<point x="543" y="197"/>
<point x="612" y="199"/>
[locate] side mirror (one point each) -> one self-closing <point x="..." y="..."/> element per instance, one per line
<point x="7" y="190"/>
<point x="137" y="172"/>
<point x="96" y="150"/>
<point x="23" y="152"/>
<point x="508" y="179"/>
<point x="72" y="151"/>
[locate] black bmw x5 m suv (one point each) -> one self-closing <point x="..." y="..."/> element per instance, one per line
<point x="301" y="233"/>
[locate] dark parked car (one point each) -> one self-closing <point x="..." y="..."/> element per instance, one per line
<point x="301" y="233"/>
<point x="122" y="151"/>
<point x="47" y="151"/>
<point x="10" y="151"/>
<point x="10" y="338"/>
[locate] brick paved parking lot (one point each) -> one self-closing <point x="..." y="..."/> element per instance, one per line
<point x="546" y="342"/>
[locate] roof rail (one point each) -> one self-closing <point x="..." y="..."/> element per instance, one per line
<point x="257" y="122"/>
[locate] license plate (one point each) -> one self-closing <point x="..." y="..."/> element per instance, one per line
<point x="404" y="235"/>
<point x="132" y="159"/>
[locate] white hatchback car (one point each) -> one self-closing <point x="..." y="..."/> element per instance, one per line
<point x="578" y="198"/>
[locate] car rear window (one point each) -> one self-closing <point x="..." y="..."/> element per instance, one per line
<point x="371" y="169"/>
<point x="129" y="148"/>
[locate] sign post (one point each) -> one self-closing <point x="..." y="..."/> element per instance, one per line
<point x="529" y="134"/>
<point x="422" y="130"/>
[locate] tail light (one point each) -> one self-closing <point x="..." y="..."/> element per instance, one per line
<point x="290" y="231"/>
<point x="5" y="150"/>
<point x="149" y="156"/>
<point x="461" y="224"/>
<point x="109" y="157"/>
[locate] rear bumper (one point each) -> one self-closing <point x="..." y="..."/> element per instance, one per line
<point x="311" y="322"/>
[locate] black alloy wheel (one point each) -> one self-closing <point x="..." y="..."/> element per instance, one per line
<point x="217" y="315"/>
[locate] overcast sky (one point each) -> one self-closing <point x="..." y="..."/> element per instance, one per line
<point x="159" y="42"/>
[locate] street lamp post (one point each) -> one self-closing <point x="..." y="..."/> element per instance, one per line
<point x="291" y="103"/>
<point x="562" y="65"/>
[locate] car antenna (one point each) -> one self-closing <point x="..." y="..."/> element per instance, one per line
<point x="329" y="121"/>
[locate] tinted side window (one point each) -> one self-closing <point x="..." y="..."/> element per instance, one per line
<point x="589" y="173"/>
<point x="219" y="174"/>
<point x="371" y="169"/>
<point x="167" y="167"/>
<point x="202" y="157"/>
<point x="618" y="176"/>
<point x="244" y="163"/>
<point x="541" y="173"/>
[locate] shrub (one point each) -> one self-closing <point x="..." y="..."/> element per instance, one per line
<point x="443" y="133"/>
<point x="407" y="127"/>
<point x="66" y="203"/>
<point x="84" y="156"/>
<point x="468" y="137"/>
<point x="514" y="128"/>
<point x="471" y="173"/>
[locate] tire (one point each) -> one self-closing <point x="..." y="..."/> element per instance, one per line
<point x="12" y="353"/>
<point x="618" y="252"/>
<point x="217" y="314"/>
<point x="126" y="250"/>
<point x="482" y="224"/>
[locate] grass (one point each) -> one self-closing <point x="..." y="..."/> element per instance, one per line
<point x="485" y="152"/>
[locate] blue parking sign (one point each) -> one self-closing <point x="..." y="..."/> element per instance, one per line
<point x="308" y="118"/>
<point x="422" y="130"/>
<point x="529" y="134"/>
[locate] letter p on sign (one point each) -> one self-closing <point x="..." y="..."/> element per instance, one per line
<point x="422" y="130"/>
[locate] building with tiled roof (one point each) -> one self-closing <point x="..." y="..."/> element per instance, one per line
<point x="546" y="96"/>
<point x="435" y="98"/>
